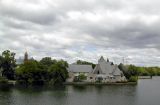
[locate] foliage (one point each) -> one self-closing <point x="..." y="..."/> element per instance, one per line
<point x="8" y="64"/>
<point x="58" y="72"/>
<point x="131" y="70"/>
<point x="82" y="77"/>
<point x="80" y="62"/>
<point x="47" y="62"/>
<point x="133" y="79"/>
<point x="79" y="78"/>
<point x="31" y="73"/>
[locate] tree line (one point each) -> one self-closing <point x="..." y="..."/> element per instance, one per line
<point x="45" y="71"/>
<point x="132" y="70"/>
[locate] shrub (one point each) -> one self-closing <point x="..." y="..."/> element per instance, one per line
<point x="82" y="77"/>
<point x="133" y="79"/>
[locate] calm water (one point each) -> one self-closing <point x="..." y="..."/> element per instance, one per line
<point x="147" y="92"/>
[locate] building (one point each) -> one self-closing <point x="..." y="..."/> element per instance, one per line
<point x="25" y="56"/>
<point x="75" y="70"/>
<point x="104" y="71"/>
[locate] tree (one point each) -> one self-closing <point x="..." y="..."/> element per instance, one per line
<point x="58" y="72"/>
<point x="8" y="64"/>
<point x="1" y="61"/>
<point x="80" y="62"/>
<point x="47" y="62"/>
<point x="124" y="69"/>
<point x="129" y="71"/>
<point x="31" y="73"/>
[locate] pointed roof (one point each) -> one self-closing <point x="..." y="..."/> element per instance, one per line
<point x="103" y="67"/>
<point x="106" y="68"/>
<point x="116" y="70"/>
<point x="101" y="59"/>
<point x="97" y="68"/>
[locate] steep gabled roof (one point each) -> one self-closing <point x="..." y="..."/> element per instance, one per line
<point x="96" y="69"/>
<point x="80" y="68"/>
<point x="107" y="68"/>
<point x="116" y="70"/>
<point x="101" y="59"/>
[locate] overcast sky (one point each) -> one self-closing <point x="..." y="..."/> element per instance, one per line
<point x="83" y="29"/>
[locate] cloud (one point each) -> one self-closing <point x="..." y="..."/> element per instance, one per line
<point x="84" y="29"/>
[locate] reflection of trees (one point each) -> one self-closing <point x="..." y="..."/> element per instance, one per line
<point x="5" y="87"/>
<point x="80" y="88"/>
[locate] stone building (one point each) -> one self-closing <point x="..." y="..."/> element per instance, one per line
<point x="104" y="71"/>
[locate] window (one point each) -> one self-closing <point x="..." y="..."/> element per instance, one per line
<point x="98" y="72"/>
<point x="91" y="78"/>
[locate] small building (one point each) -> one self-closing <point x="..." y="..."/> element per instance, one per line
<point x="104" y="71"/>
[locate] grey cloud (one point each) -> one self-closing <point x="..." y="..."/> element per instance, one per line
<point x="109" y="28"/>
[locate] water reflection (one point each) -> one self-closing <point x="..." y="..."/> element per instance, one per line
<point x="141" y="94"/>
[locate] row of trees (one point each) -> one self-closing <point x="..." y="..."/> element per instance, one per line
<point x="44" y="71"/>
<point x="32" y="72"/>
<point x="132" y="70"/>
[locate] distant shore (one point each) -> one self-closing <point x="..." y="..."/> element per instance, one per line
<point x="145" y="77"/>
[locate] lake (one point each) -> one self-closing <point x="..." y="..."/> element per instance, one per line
<point x="146" y="92"/>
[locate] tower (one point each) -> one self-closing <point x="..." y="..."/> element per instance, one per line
<point x="25" y="56"/>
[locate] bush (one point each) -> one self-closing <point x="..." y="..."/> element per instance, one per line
<point x="82" y="77"/>
<point x="133" y="79"/>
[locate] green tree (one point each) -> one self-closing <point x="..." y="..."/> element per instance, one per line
<point x="47" y="62"/>
<point x="31" y="72"/>
<point x="58" y="72"/>
<point x="8" y="64"/>
<point x="1" y="61"/>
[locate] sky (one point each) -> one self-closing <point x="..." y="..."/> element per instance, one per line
<point x="83" y="29"/>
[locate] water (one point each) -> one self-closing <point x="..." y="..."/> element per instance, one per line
<point x="147" y="92"/>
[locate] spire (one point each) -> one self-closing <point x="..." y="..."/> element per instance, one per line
<point x="107" y="60"/>
<point x="101" y="59"/>
<point x="25" y="56"/>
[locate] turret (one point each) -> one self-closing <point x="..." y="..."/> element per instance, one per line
<point x="25" y="56"/>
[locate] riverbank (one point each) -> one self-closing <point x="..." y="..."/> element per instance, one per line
<point x="92" y="83"/>
<point x="86" y="83"/>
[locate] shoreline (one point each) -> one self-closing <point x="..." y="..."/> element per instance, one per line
<point x="91" y="83"/>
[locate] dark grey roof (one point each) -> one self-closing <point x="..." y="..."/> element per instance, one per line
<point x="80" y="68"/>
